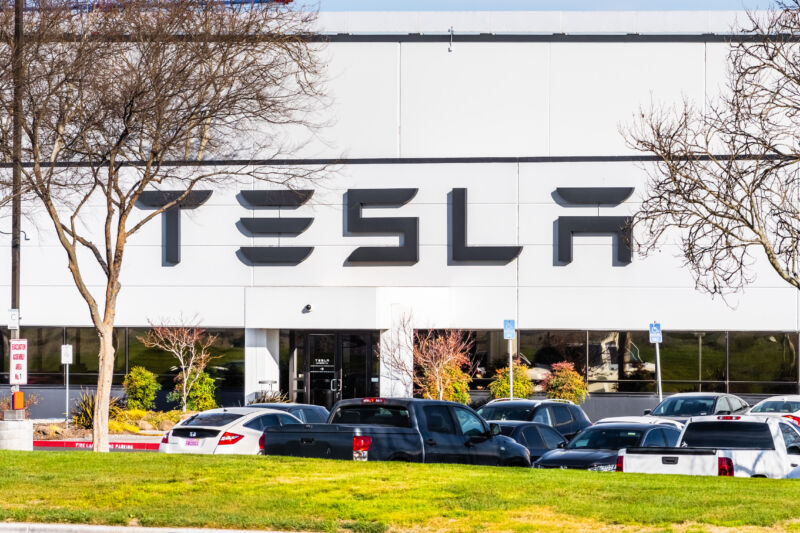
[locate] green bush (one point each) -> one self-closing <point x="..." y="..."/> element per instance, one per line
<point x="522" y="384"/>
<point x="83" y="412"/>
<point x="141" y="386"/>
<point x="565" y="383"/>
<point x="201" y="397"/>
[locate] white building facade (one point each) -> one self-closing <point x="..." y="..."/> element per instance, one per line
<point x="475" y="174"/>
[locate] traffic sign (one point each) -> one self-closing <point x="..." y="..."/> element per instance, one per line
<point x="66" y="354"/>
<point x="655" y="332"/>
<point x="509" y="331"/>
<point x="18" y="373"/>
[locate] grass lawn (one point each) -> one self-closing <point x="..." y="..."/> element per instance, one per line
<point x="283" y="493"/>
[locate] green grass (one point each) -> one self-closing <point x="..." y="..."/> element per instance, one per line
<point x="284" y="493"/>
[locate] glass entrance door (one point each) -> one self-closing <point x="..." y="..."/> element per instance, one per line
<point x="322" y="366"/>
<point x="340" y="366"/>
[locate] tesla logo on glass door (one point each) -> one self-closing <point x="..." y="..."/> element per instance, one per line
<point x="460" y="252"/>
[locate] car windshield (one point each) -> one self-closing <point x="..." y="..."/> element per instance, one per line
<point x="601" y="438"/>
<point x="749" y="435"/>
<point x="777" y="406"/>
<point x="211" y="419"/>
<point x="685" y="406"/>
<point x="507" y="412"/>
<point x="396" y="416"/>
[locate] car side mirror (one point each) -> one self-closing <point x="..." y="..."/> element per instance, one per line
<point x="561" y="445"/>
<point x="794" y="449"/>
<point x="647" y="412"/>
<point x="494" y="429"/>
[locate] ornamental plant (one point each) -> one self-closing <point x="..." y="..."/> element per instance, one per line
<point x="141" y="386"/>
<point x="523" y="387"/>
<point x="202" y="397"/>
<point x="454" y="385"/>
<point x="565" y="383"/>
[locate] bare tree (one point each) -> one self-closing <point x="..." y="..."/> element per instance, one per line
<point x="726" y="179"/>
<point x="141" y="94"/>
<point x="438" y="359"/>
<point x="190" y="345"/>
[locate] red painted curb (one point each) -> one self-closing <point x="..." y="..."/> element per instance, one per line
<point x="82" y="444"/>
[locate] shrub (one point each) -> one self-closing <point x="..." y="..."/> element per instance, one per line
<point x="141" y="386"/>
<point x="455" y="385"/>
<point x="133" y="415"/>
<point x="565" y="383"/>
<point x="83" y="412"/>
<point x="202" y="396"/>
<point x="270" y="397"/>
<point x="118" y="426"/>
<point x="523" y="387"/>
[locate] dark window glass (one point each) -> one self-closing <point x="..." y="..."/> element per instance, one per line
<point x="671" y="436"/>
<point x="211" y="419"/>
<point x="544" y="348"/>
<point x="542" y="416"/>
<point x="620" y="356"/>
<point x="44" y="355"/>
<point x="227" y="363"/>
<point x="685" y="406"/>
<point x="506" y="412"/>
<point x="534" y="440"/>
<point x="790" y="436"/>
<point x="552" y="437"/>
<point x="287" y="420"/>
<point x="602" y="438"/>
<point x="396" y="416"/>
<point x="654" y="438"/>
<point x="471" y="425"/>
<point x="561" y="414"/>
<point x="720" y="434"/>
<point x="284" y="345"/>
<point x="314" y="416"/>
<point x="763" y="388"/>
<point x="86" y="347"/>
<point x="507" y="430"/>
<point x="439" y="420"/>
<point x="693" y="356"/>
<point x="777" y="406"/>
<point x="159" y="362"/>
<point x="763" y="356"/>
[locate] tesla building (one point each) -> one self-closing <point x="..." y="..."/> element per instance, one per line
<point x="477" y="173"/>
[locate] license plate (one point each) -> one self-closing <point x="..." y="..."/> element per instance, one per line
<point x="192" y="442"/>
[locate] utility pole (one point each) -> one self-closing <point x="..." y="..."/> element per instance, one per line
<point x="16" y="160"/>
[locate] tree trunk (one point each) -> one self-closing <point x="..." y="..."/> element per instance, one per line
<point x="103" y="396"/>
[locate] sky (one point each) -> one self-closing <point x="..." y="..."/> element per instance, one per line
<point x="533" y="5"/>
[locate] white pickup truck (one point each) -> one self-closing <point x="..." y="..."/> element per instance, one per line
<point x="722" y="445"/>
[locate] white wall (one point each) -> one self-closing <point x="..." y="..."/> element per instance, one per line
<point x="413" y="100"/>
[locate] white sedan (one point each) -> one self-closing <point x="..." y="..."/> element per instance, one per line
<point x="779" y="407"/>
<point x="229" y="430"/>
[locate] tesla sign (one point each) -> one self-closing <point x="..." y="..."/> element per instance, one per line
<point x="406" y="228"/>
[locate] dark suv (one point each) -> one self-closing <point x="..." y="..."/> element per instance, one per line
<point x="562" y="415"/>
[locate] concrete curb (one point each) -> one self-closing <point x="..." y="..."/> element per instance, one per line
<point x="26" y="527"/>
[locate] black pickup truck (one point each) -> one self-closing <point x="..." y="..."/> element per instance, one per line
<point x="399" y="429"/>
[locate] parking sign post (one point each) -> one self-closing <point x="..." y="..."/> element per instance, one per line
<point x="66" y="360"/>
<point x="656" y="338"/>
<point x="509" y="332"/>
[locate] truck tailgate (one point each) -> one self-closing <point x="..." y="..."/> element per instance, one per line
<point x="324" y="441"/>
<point x="687" y="461"/>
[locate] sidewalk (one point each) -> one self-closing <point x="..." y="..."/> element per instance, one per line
<point x="6" y="527"/>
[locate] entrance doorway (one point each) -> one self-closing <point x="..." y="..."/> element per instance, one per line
<point x="338" y="365"/>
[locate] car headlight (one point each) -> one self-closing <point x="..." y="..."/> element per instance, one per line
<point x="603" y="468"/>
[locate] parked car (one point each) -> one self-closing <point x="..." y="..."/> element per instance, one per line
<point x="683" y="406"/>
<point x="722" y="445"/>
<point x="779" y="406"/>
<point x="538" y="438"/>
<point x="566" y="417"/>
<point x="230" y="430"/>
<point x="641" y="420"/>
<point x="307" y="413"/>
<point x="596" y="448"/>
<point x="399" y="429"/>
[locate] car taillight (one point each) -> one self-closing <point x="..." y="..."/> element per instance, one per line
<point x="724" y="466"/>
<point x="620" y="463"/>
<point x="795" y="419"/>
<point x="361" y="448"/>
<point x="373" y="400"/>
<point x="261" y="442"/>
<point x="165" y="438"/>
<point x="230" y="438"/>
<point x="729" y="417"/>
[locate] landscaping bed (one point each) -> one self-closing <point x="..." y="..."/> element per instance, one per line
<point x="124" y="422"/>
<point x="305" y="494"/>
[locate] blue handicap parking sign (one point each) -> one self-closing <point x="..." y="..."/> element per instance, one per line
<point x="655" y="332"/>
<point x="509" y="331"/>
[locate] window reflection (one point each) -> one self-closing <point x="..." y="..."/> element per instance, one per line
<point x="770" y="356"/>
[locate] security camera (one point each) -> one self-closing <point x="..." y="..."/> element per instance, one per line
<point x="307" y="308"/>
